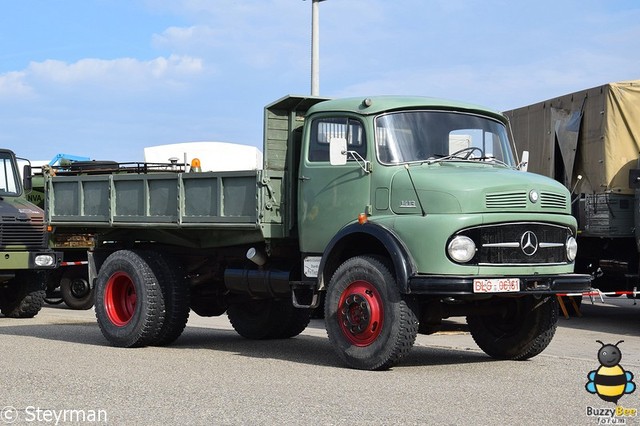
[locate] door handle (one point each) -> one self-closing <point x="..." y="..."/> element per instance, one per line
<point x="304" y="178"/>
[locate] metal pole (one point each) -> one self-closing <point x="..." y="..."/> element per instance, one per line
<point x="315" y="48"/>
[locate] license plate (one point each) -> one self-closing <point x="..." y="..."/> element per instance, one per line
<point x="496" y="285"/>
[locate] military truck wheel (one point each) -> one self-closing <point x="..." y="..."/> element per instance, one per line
<point x="268" y="319"/>
<point x="75" y="289"/>
<point x="129" y="303"/>
<point x="293" y="320"/>
<point x="522" y="330"/>
<point x="175" y="292"/>
<point x="23" y="296"/>
<point x="206" y="303"/>
<point x="369" y="324"/>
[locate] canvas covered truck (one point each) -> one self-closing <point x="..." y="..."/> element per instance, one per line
<point x="25" y="259"/>
<point x="401" y="211"/>
<point x="590" y="140"/>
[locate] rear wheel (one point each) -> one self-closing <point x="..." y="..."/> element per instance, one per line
<point x="268" y="319"/>
<point x="175" y="292"/>
<point x="523" y="328"/>
<point x="369" y="324"/>
<point x="129" y="303"/>
<point x="75" y="289"/>
<point x="23" y="295"/>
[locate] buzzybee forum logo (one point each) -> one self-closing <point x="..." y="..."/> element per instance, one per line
<point x="610" y="381"/>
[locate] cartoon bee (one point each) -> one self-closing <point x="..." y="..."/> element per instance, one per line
<point x="610" y="381"/>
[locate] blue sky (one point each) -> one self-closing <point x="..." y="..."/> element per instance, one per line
<point x="105" y="78"/>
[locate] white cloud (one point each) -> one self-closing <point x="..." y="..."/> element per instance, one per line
<point x="101" y="75"/>
<point x="13" y="85"/>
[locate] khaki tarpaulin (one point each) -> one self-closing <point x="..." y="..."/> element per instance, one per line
<point x="566" y="129"/>
<point x="621" y="134"/>
<point x="592" y="133"/>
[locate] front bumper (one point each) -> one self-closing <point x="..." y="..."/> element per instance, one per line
<point x="445" y="285"/>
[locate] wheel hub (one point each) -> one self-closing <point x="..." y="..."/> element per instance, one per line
<point x="79" y="288"/>
<point x="355" y="313"/>
<point x="120" y="299"/>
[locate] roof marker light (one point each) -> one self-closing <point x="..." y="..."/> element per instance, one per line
<point x="195" y="166"/>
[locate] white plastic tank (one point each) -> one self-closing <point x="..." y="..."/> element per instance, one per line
<point x="213" y="156"/>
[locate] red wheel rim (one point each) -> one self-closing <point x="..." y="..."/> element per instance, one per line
<point x="120" y="298"/>
<point x="360" y="313"/>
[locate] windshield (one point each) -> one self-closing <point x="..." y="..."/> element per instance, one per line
<point x="411" y="136"/>
<point x="8" y="176"/>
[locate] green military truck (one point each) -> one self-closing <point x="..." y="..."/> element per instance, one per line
<point x="400" y="211"/>
<point x="25" y="260"/>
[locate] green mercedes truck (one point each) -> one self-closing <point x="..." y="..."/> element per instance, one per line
<point x="25" y="259"/>
<point x="396" y="212"/>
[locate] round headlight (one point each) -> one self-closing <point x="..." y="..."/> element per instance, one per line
<point x="572" y="249"/>
<point x="461" y="249"/>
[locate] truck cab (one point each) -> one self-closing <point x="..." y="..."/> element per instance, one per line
<point x="427" y="193"/>
<point x="25" y="259"/>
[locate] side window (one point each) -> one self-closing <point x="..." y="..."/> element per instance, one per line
<point x="324" y="129"/>
<point x="8" y="178"/>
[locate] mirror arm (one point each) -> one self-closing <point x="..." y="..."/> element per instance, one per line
<point x="364" y="164"/>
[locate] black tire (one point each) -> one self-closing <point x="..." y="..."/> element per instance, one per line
<point x="268" y="319"/>
<point x="75" y="290"/>
<point x="175" y="292"/>
<point x="292" y="320"/>
<point x="523" y="329"/>
<point x="207" y="303"/>
<point x="369" y="324"/>
<point x="23" y="296"/>
<point x="129" y="303"/>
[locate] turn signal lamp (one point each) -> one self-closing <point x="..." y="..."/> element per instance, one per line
<point x="362" y="218"/>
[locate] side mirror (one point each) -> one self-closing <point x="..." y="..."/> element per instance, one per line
<point x="27" y="182"/>
<point x="338" y="151"/>
<point x="524" y="163"/>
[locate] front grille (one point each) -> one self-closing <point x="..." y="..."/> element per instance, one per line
<point x="520" y="199"/>
<point x="23" y="234"/>
<point x="506" y="200"/>
<point x="550" y="200"/>
<point x="519" y="244"/>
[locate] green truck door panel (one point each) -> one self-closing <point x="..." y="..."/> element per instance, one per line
<point x="330" y="198"/>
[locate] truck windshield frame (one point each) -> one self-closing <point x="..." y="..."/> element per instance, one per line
<point x="9" y="178"/>
<point x="427" y="135"/>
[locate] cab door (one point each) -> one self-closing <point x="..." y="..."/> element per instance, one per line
<point x="330" y="197"/>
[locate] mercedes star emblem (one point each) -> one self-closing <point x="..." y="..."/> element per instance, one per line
<point x="529" y="243"/>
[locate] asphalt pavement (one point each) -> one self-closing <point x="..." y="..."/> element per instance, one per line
<point x="58" y="369"/>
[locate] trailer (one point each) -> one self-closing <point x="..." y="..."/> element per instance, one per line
<point x="589" y="141"/>
<point x="401" y="211"/>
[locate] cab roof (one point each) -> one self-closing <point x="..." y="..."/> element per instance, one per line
<point x="380" y="104"/>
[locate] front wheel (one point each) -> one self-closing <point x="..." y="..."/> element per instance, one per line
<point x="369" y="324"/>
<point x="23" y="296"/>
<point x="521" y="329"/>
